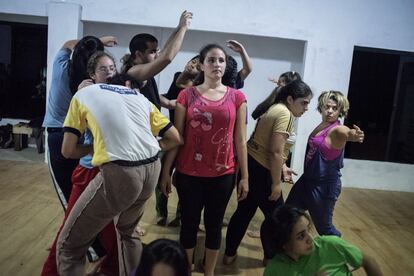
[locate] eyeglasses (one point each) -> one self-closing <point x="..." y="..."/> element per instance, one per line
<point x="104" y="69"/>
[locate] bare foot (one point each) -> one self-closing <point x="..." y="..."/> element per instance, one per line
<point x="140" y="231"/>
<point x="253" y="234"/>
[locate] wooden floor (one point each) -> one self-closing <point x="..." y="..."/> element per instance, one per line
<point x="380" y="223"/>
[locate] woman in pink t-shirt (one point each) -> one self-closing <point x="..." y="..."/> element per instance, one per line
<point x="212" y="119"/>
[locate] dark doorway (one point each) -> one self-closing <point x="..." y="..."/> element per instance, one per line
<point x="381" y="95"/>
<point x="23" y="70"/>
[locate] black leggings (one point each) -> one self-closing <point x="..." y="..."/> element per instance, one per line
<point x="196" y="193"/>
<point x="260" y="184"/>
<point x="61" y="169"/>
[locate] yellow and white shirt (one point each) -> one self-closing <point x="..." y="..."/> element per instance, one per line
<point x="122" y="121"/>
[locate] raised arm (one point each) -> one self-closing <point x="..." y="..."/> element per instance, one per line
<point x="109" y="41"/>
<point x="70" y="44"/>
<point x="339" y="135"/>
<point x="146" y="71"/>
<point x="247" y="63"/>
<point x="241" y="150"/>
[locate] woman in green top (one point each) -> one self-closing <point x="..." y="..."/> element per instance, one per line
<point x="287" y="235"/>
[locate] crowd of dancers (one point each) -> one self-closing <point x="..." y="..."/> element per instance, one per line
<point x="110" y="148"/>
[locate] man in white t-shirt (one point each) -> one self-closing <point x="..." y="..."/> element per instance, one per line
<point x="123" y="124"/>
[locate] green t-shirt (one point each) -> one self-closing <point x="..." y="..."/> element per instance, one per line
<point x="331" y="254"/>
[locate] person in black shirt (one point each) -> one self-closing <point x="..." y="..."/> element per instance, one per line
<point x="180" y="81"/>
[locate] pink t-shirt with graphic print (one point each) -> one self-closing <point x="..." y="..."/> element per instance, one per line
<point x="208" y="149"/>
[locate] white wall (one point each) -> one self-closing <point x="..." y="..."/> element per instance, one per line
<point x="270" y="56"/>
<point x="330" y="28"/>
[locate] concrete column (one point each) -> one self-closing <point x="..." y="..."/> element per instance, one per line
<point x="64" y="23"/>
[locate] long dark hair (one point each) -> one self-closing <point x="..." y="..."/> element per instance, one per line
<point x="276" y="229"/>
<point x="202" y="56"/>
<point x="296" y="89"/>
<point x="284" y="79"/>
<point x="163" y="251"/>
<point x="83" y="50"/>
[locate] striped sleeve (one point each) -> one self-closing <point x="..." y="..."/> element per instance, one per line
<point x="159" y="123"/>
<point x="75" y="121"/>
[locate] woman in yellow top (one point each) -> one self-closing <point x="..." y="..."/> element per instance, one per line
<point x="267" y="152"/>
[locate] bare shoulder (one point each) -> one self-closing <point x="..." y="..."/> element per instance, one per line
<point x="339" y="133"/>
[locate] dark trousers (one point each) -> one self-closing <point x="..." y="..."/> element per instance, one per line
<point x="196" y="193"/>
<point x="319" y="196"/>
<point x="260" y="184"/>
<point x="61" y="169"/>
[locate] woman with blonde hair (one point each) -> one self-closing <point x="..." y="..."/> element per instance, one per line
<point x="319" y="187"/>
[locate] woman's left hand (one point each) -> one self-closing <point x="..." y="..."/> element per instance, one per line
<point x="242" y="189"/>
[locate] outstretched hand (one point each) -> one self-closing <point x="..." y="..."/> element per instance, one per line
<point x="185" y="19"/>
<point x="274" y="80"/>
<point x="358" y="135"/>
